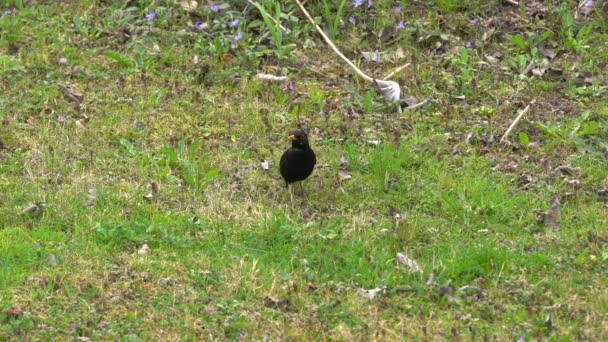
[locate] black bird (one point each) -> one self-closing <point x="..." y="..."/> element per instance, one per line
<point x="297" y="162"/>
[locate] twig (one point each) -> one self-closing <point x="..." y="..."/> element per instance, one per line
<point x="329" y="42"/>
<point x="512" y="2"/>
<point x="397" y="70"/>
<point x="514" y="123"/>
<point x="417" y="105"/>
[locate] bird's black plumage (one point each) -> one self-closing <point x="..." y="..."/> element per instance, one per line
<point x="297" y="162"/>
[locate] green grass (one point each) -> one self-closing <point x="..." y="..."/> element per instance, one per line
<point x="230" y="258"/>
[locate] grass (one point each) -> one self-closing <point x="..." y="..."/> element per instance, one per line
<point x="229" y="257"/>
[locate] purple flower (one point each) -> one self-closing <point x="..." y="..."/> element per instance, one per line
<point x="400" y="25"/>
<point x="196" y="25"/>
<point x="234" y="23"/>
<point x="151" y="15"/>
<point x="398" y="9"/>
<point x="61" y="119"/>
<point x="589" y="3"/>
<point x="8" y="11"/>
<point x="357" y="3"/>
<point x="468" y="45"/>
<point x="289" y="87"/>
<point x="521" y="339"/>
<point x="474" y="21"/>
<point x="351" y="20"/>
<point x="238" y="37"/>
<point x="369" y="3"/>
<point x="214" y="8"/>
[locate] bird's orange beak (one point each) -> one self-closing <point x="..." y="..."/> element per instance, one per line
<point x="292" y="137"/>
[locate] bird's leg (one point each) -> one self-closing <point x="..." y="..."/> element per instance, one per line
<point x="290" y="193"/>
<point x="302" y="191"/>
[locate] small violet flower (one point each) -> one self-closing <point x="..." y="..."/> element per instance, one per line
<point x="215" y="8"/>
<point x="468" y="45"/>
<point x="474" y="21"/>
<point x="589" y="3"/>
<point x="398" y="10"/>
<point x="234" y="23"/>
<point x="61" y="119"/>
<point x="351" y="20"/>
<point x="357" y="3"/>
<point x="196" y="25"/>
<point x="369" y="3"/>
<point x="8" y="11"/>
<point x="151" y="15"/>
<point x="400" y="25"/>
<point x="238" y="37"/>
<point x="289" y="87"/>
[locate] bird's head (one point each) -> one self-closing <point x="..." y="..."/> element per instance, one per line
<point x="298" y="138"/>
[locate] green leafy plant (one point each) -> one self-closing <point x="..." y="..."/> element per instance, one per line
<point x="574" y="42"/>
<point x="184" y="160"/>
<point x="523" y="140"/>
<point x="334" y="23"/>
<point x="275" y="30"/>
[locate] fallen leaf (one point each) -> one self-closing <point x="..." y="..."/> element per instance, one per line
<point x="390" y="89"/>
<point x="275" y="303"/>
<point x="91" y="197"/>
<point x="343" y="175"/>
<point x="164" y="282"/>
<point x="552" y="214"/>
<point x="371" y="56"/>
<point x="369" y="294"/>
<point x="410" y="100"/>
<point x="265" y="164"/>
<point x="567" y="170"/>
<point x="144" y="250"/>
<point x="53" y="260"/>
<point x="153" y="187"/>
<point x="34" y="210"/>
<point x="411" y="264"/>
<point x="343" y="161"/>
<point x="188" y="5"/>
<point x="271" y="78"/>
<point x="71" y="93"/>
<point x="81" y="123"/>
<point x="547" y="52"/>
<point x="13" y="312"/>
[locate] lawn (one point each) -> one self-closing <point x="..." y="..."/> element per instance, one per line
<point x="140" y="195"/>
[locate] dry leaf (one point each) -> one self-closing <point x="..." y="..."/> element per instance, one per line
<point x="71" y="93"/>
<point x="153" y="187"/>
<point x="81" y="123"/>
<point x="369" y="294"/>
<point x="343" y="161"/>
<point x="271" y="78"/>
<point x="91" y="197"/>
<point x="371" y="56"/>
<point x="149" y="197"/>
<point x="265" y="164"/>
<point x="188" y="5"/>
<point x="53" y="260"/>
<point x="144" y="250"/>
<point x="390" y="90"/>
<point x="34" y="210"/>
<point x="275" y="303"/>
<point x="343" y="175"/>
<point x="13" y="312"/>
<point x="411" y="264"/>
<point x="552" y="214"/>
<point x="547" y="52"/>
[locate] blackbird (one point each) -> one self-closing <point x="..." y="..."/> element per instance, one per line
<point x="297" y="162"/>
